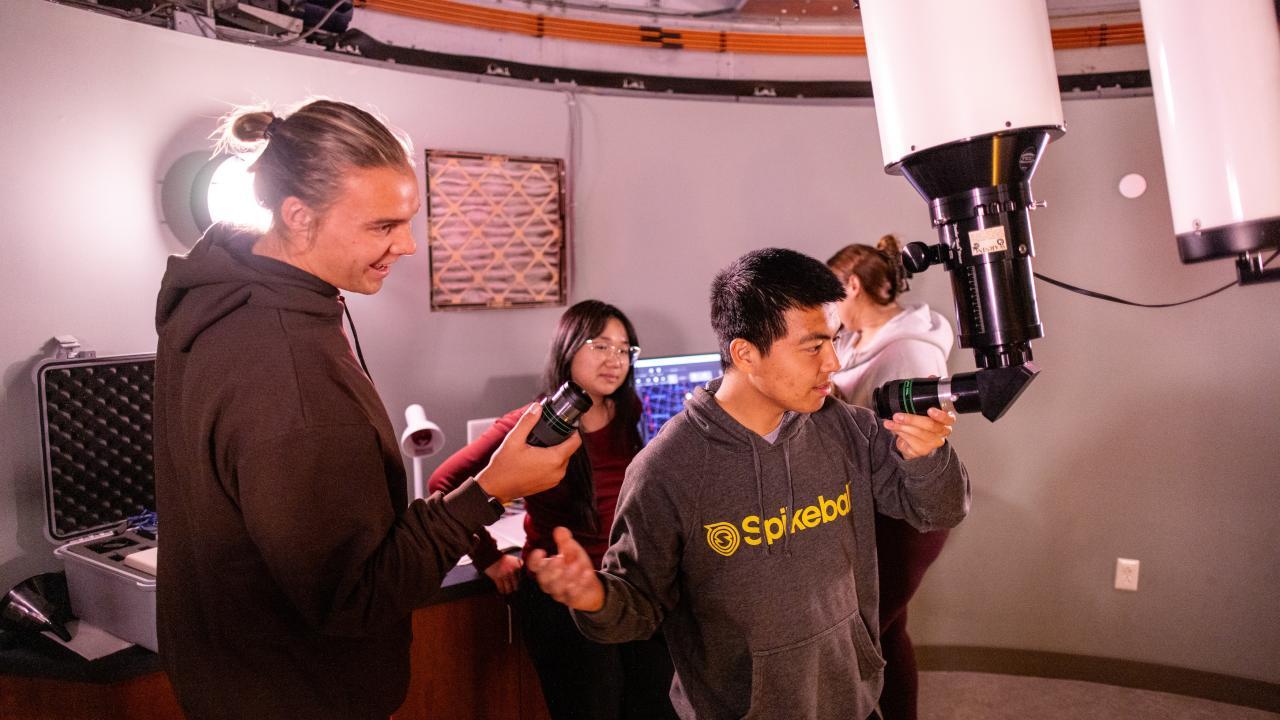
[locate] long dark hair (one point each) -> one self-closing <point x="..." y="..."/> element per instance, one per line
<point x="580" y="323"/>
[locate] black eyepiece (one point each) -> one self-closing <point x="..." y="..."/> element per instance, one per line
<point x="916" y="395"/>
<point x="988" y="391"/>
<point x="560" y="414"/>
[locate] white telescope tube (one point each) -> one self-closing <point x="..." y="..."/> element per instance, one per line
<point x="944" y="71"/>
<point x="1215" y="73"/>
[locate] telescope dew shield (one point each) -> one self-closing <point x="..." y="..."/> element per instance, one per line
<point x="1215" y="75"/>
<point x="943" y="72"/>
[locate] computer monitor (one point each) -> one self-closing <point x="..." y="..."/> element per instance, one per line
<point x="664" y="383"/>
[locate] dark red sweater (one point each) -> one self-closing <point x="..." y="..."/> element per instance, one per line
<point x="549" y="508"/>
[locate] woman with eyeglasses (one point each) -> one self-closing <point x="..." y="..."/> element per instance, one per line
<point x="594" y="346"/>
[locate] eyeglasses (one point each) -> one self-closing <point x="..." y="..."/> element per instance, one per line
<point x="605" y="351"/>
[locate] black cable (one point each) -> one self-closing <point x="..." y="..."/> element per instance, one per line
<point x="1122" y="301"/>
<point x="355" y="336"/>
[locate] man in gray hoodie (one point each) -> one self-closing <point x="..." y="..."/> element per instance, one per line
<point x="746" y="528"/>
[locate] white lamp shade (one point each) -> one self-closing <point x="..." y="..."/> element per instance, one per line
<point x="421" y="437"/>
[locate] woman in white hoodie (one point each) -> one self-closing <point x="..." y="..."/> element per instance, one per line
<point x="881" y="340"/>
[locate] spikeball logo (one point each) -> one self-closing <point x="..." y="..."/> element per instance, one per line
<point x="723" y="538"/>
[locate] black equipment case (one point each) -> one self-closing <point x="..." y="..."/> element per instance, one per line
<point x="95" y="427"/>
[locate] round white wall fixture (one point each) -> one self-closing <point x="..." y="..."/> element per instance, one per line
<point x="1133" y="186"/>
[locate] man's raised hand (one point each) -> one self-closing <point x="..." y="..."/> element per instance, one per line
<point x="569" y="577"/>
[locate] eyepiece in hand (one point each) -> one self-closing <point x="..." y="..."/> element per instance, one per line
<point x="915" y="396"/>
<point x="560" y="414"/>
<point x="989" y="391"/>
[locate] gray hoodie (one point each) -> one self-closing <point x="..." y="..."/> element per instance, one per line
<point x="914" y="343"/>
<point x="758" y="560"/>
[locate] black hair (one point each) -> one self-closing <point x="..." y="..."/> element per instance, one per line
<point x="750" y="297"/>
<point x="581" y="322"/>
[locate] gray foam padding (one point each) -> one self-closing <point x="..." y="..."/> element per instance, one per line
<point x="97" y="438"/>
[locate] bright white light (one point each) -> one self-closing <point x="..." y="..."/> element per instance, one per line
<point x="231" y="196"/>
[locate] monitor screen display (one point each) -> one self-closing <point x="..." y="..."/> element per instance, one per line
<point x="664" y="383"/>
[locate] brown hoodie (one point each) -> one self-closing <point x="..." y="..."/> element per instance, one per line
<point x="292" y="559"/>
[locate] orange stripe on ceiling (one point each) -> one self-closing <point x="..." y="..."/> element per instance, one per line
<point x="535" y="25"/>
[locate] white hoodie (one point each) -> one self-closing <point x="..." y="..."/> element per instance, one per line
<point x="914" y="344"/>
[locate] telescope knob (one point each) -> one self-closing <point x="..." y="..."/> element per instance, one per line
<point x="917" y="257"/>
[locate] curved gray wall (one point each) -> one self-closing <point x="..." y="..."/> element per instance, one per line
<point x="1151" y="433"/>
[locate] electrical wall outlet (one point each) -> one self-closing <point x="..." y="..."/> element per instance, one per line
<point x="1126" y="574"/>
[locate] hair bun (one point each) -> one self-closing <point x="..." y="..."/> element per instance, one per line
<point x="252" y="127"/>
<point x="888" y="244"/>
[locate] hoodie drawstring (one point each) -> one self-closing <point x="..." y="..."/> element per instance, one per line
<point x="791" y="499"/>
<point x="755" y="461"/>
<point x="355" y="336"/>
<point x="791" y="493"/>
